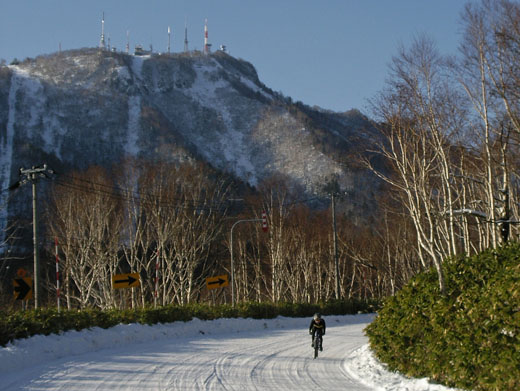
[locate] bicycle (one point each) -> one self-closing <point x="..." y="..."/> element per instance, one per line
<point x="317" y="343"/>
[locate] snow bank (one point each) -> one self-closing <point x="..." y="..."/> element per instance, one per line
<point x="364" y="367"/>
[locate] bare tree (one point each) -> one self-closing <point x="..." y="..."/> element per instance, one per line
<point x="184" y="209"/>
<point x="201" y="226"/>
<point x="488" y="70"/>
<point x="84" y="216"/>
<point x="277" y="204"/>
<point x="134" y="246"/>
<point x="420" y="124"/>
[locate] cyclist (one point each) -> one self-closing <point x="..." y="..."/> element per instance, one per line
<point x="317" y="327"/>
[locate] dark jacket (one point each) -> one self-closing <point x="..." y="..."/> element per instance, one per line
<point x="317" y="326"/>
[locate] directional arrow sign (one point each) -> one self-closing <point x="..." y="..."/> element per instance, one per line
<point x="129" y="280"/>
<point x="217" y="282"/>
<point x="23" y="288"/>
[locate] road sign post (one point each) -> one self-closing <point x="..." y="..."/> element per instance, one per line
<point x="156" y="282"/>
<point x="57" y="273"/>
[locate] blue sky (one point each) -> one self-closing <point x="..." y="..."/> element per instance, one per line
<point x="330" y="53"/>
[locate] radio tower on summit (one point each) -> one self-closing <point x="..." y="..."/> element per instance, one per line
<point x="169" y="38"/>
<point x="207" y="45"/>
<point x="185" y="35"/>
<point x="102" y="40"/>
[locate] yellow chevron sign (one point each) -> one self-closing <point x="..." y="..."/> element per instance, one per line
<point x="217" y="282"/>
<point x="23" y="288"/>
<point x="129" y="280"/>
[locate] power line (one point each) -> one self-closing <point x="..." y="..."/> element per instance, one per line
<point x="143" y="198"/>
<point x="125" y="194"/>
<point x="147" y="198"/>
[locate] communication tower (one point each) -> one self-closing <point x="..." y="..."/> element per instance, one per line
<point x="207" y="46"/>
<point x="185" y="35"/>
<point x="169" y="36"/>
<point x="102" y="40"/>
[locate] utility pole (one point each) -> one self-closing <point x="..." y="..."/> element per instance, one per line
<point x="32" y="175"/>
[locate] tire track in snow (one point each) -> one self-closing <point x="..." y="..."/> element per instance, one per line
<point x="271" y="359"/>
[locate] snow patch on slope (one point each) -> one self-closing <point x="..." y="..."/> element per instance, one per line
<point x="233" y="142"/>
<point x="6" y="152"/>
<point x="41" y="126"/>
<point x="249" y="84"/>
<point x="287" y="143"/>
<point x="134" y="115"/>
<point x="137" y="65"/>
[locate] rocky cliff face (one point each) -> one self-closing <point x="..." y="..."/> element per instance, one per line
<point x="85" y="107"/>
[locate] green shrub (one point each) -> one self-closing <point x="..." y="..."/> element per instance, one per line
<point x="470" y="338"/>
<point x="257" y="310"/>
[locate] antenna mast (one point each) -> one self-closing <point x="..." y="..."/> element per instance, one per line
<point x="206" y="44"/>
<point x="102" y="41"/>
<point x="186" y="35"/>
<point x="206" y="36"/>
<point x="169" y="36"/>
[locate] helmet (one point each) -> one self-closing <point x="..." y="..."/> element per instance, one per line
<point x="317" y="315"/>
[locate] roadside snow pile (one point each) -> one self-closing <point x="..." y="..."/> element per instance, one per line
<point x="364" y="367"/>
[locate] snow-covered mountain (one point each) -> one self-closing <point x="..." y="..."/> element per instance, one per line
<point x="78" y="108"/>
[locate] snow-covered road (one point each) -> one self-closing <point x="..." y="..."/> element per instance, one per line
<point x="224" y="354"/>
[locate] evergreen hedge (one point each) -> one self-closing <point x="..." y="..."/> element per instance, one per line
<point x="469" y="338"/>
<point x="23" y="324"/>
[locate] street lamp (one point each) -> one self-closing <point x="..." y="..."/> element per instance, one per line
<point x="333" y="189"/>
<point x="264" y="228"/>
